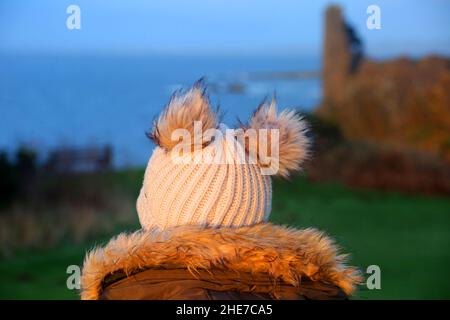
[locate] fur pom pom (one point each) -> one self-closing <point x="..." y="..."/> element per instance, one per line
<point x="180" y="113"/>
<point x="293" y="143"/>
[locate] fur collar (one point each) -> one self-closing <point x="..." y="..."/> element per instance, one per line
<point x="284" y="253"/>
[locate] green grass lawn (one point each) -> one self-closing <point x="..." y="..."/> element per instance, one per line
<point x="407" y="236"/>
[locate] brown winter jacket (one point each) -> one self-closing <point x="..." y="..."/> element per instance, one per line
<point x="259" y="262"/>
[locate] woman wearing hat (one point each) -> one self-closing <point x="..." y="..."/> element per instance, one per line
<point x="204" y="208"/>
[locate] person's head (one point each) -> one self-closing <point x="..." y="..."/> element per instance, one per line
<point x="203" y="173"/>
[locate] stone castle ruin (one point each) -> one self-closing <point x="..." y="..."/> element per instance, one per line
<point x="381" y="124"/>
<point x="402" y="102"/>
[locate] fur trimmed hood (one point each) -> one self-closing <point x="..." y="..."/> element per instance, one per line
<point x="281" y="252"/>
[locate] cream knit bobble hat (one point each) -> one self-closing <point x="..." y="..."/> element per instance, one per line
<point x="188" y="190"/>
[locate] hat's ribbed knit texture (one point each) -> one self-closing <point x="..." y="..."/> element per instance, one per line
<point x="198" y="193"/>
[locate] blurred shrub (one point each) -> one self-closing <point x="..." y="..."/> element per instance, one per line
<point x="371" y="165"/>
<point x="9" y="183"/>
<point x="403" y="103"/>
<point x="69" y="207"/>
<point x="24" y="227"/>
<point x="16" y="175"/>
<point x="41" y="208"/>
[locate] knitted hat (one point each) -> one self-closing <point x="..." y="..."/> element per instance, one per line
<point x="213" y="177"/>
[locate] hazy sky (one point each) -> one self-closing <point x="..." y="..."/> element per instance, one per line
<point x="218" y="26"/>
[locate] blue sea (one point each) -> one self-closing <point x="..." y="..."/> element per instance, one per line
<point x="52" y="100"/>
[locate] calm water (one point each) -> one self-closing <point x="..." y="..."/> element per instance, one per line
<point x="48" y="101"/>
